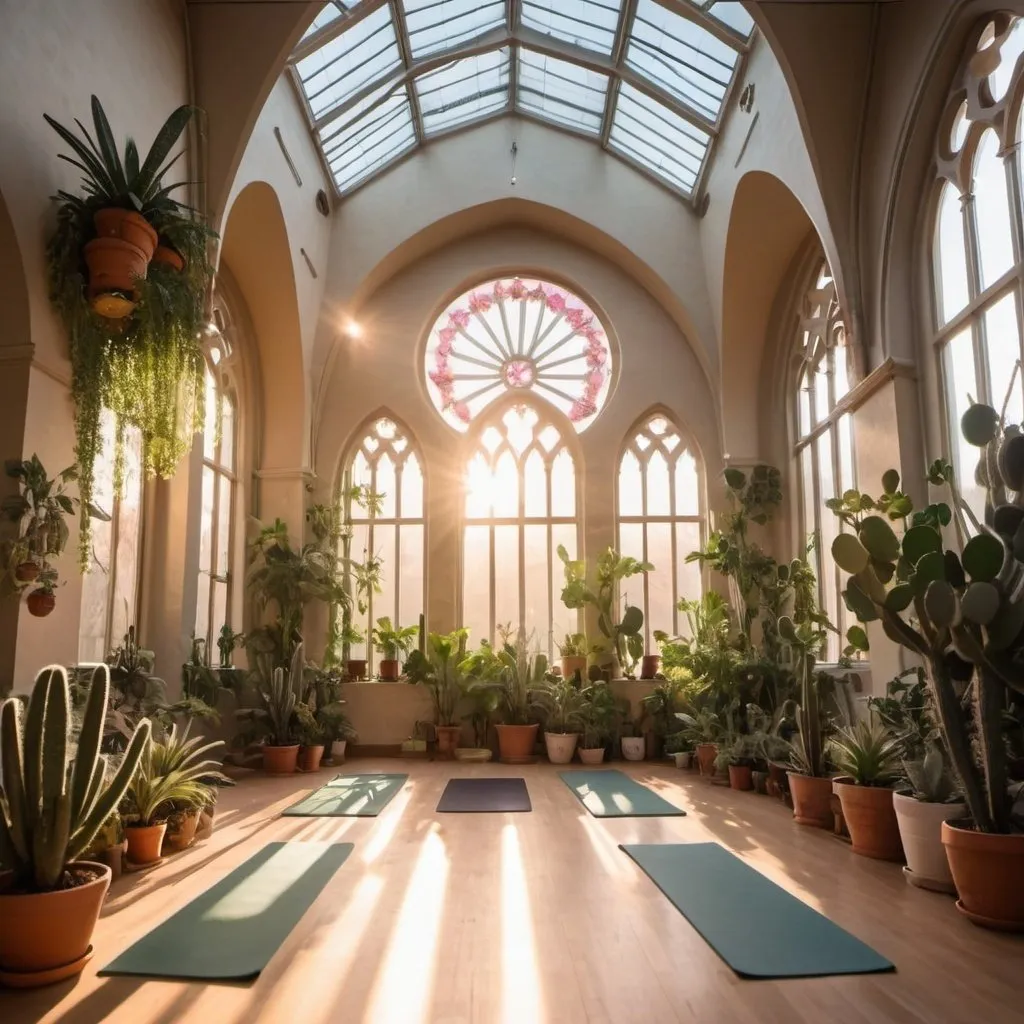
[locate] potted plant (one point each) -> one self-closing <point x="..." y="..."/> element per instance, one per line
<point x="515" y="674"/>
<point x="737" y="760"/>
<point x="392" y="642"/>
<point x="356" y="669"/>
<point x="274" y="721"/>
<point x="599" y="717"/>
<point x="440" y="670"/>
<point x="323" y="697"/>
<point x="679" y="748"/>
<point x="311" y="736"/>
<point x="660" y="707"/>
<point x="573" y="651"/>
<point x="49" y="899"/>
<point x="966" y="628"/>
<point x="563" y="704"/>
<point x="632" y="738"/>
<point x="483" y="708"/>
<point x="108" y="847"/>
<point x="134" y="323"/>
<point x="929" y="795"/>
<point x="702" y="729"/>
<point x="867" y="758"/>
<point x="623" y="640"/>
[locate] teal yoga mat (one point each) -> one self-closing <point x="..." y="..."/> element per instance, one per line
<point x="756" y="927"/>
<point x="609" y="793"/>
<point x="350" y="796"/>
<point x="231" y="931"/>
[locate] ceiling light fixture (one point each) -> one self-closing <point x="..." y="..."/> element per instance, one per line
<point x="352" y="329"/>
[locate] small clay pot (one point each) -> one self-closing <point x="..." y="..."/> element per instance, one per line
<point x="650" y="665"/>
<point x="572" y="664"/>
<point x="127" y="226"/>
<point x="706" y="754"/>
<point x="389" y="670"/>
<point x="41" y="603"/>
<point x="356" y="668"/>
<point x="166" y="256"/>
<point x="181" y="832"/>
<point x="741" y="776"/>
<point x="869" y="815"/>
<point x="280" y="760"/>
<point x="26" y="572"/>
<point x="145" y="843"/>
<point x="812" y="800"/>
<point x="516" y="743"/>
<point x="310" y="757"/>
<point x="987" y="871"/>
<point x="591" y="755"/>
<point x="447" y="740"/>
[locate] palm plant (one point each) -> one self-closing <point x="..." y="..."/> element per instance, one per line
<point x="563" y="705"/>
<point x="867" y="752"/>
<point x="393" y="641"/>
<point x="440" y="670"/>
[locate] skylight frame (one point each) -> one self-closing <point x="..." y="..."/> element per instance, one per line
<point x="516" y="37"/>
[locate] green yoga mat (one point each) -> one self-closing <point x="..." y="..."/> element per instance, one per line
<point x="350" y="796"/>
<point x="231" y="931"/>
<point x="756" y="927"/>
<point x="611" y="794"/>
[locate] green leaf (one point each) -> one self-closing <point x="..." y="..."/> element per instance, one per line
<point x="899" y="598"/>
<point x="736" y="479"/>
<point x="858" y="602"/>
<point x="979" y="424"/>
<point x="983" y="557"/>
<point x="918" y="541"/>
<point x="850" y="555"/>
<point x="981" y="603"/>
<point x="162" y="145"/>
<point x="880" y="540"/>
<point x="941" y="604"/>
<point x="930" y="568"/>
<point x="857" y="638"/>
<point x="632" y="621"/>
<point x="108" y="147"/>
<point x="1006" y="626"/>
<point x="890" y="481"/>
<point x="954" y="570"/>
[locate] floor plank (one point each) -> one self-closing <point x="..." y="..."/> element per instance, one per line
<point x="536" y="918"/>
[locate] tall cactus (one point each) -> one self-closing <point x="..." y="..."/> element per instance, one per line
<point x="279" y="695"/>
<point x="52" y="805"/>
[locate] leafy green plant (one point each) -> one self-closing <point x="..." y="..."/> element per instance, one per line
<point x="809" y="754"/>
<point x="563" y="705"/>
<point x="393" y="642"/>
<point x="601" y="714"/>
<point x="661" y="705"/>
<point x="54" y="797"/>
<point x="274" y="721"/>
<point x="624" y="637"/>
<point x="929" y="777"/>
<point x="514" y="671"/>
<point x="440" y="669"/>
<point x="702" y="726"/>
<point x="483" y="707"/>
<point x="868" y="753"/>
<point x="575" y="645"/>
<point x="740" y="750"/>
<point x="147" y="368"/>
<point x="322" y="697"/>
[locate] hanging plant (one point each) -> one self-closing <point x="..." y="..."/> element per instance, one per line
<point x="129" y="276"/>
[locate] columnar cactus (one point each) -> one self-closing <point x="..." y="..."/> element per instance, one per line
<point x="279" y="696"/>
<point x="53" y="801"/>
<point x="962" y="613"/>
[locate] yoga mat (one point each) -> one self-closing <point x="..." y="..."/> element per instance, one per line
<point x="609" y="793"/>
<point x="756" y="927"/>
<point x="349" y="796"/>
<point x="469" y="796"/>
<point x="231" y="931"/>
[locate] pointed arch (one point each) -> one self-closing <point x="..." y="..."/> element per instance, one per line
<point x="521" y="500"/>
<point x="661" y="511"/>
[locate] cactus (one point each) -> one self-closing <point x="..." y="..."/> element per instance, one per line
<point x="275" y="720"/>
<point x="967" y="607"/>
<point x="52" y="801"/>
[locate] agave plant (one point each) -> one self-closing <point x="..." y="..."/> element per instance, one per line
<point x="868" y="752"/>
<point x="54" y="798"/>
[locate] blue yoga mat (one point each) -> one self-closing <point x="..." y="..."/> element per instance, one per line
<point x="756" y="927"/>
<point x="231" y="931"/>
<point x="609" y="793"/>
<point x="349" y="796"/>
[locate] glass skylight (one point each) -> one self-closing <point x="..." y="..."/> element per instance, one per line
<point x="436" y="25"/>
<point x="591" y="24"/>
<point x="561" y="91"/>
<point x="465" y="90"/>
<point x="648" y="82"/>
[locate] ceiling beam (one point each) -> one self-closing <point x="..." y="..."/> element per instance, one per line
<point x="405" y="50"/>
<point x="686" y="9"/>
<point x="625" y="26"/>
<point x="335" y="28"/>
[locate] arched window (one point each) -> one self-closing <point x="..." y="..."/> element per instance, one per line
<point x="385" y="463"/>
<point x="520" y="504"/>
<point x="978" y="255"/>
<point x="111" y="581"/>
<point x="219" y="497"/>
<point x="660" y="521"/>
<point x="824" y="446"/>
<point x="518" y="335"/>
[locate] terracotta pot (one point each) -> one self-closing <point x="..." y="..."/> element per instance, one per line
<point x="812" y="800"/>
<point x="114" y="265"/>
<point x="987" y="872"/>
<point x="516" y="743"/>
<point x="113" y="858"/>
<point x="760" y="781"/>
<point x="650" y="665"/>
<point x="41" y="603"/>
<point x="280" y="760"/>
<point x="778" y="783"/>
<point x="26" y="572"/>
<point x="634" y="748"/>
<point x="356" y="668"/>
<point x="655" y="746"/>
<point x="145" y="842"/>
<point x="741" y="776"/>
<point x="591" y="755"/>
<point x="706" y="754"/>
<point x="573" y="664"/>
<point x="447" y="740"/>
<point x="180" y="834"/>
<point x="205" y="826"/>
<point x="338" y="751"/>
<point x="389" y="670"/>
<point x="309" y="758"/>
<point x="128" y="226"/>
<point x="45" y="937"/>
<point x="560" y="746"/>
<point x="920" y="826"/>
<point x="165" y="255"/>
<point x="869" y="815"/>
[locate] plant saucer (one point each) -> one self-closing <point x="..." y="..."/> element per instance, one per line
<point x="36" y="979"/>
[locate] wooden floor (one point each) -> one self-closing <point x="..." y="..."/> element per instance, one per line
<point x="536" y="918"/>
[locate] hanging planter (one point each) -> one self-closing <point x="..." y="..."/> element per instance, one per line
<point x="129" y="276"/>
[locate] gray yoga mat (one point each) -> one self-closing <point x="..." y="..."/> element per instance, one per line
<point x="755" y="926"/>
<point x="350" y="796"/>
<point x="231" y="931"/>
<point x="609" y="793"/>
<point x="469" y="796"/>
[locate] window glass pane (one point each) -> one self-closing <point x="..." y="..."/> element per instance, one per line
<point x="385" y="487"/>
<point x="327" y="14"/>
<point x="958" y="366"/>
<point x="463" y="90"/>
<point x="687" y="486"/>
<point x="202" y="627"/>
<point x="563" y="486"/>
<point x="563" y="620"/>
<point x="847" y="479"/>
<point x="658" y="503"/>
<point x="506" y="576"/>
<point x="630" y="486"/>
<point x="412" y="489"/>
<point x="384" y="548"/>
<point x="1002" y="339"/>
<point x="807" y="494"/>
<point x="227" y="433"/>
<point x="206" y="521"/>
<point x="992" y="211"/>
<point x="410" y="568"/>
<point x="436" y="25"/>
<point x="129" y="535"/>
<point x="210" y="419"/>
<point x="733" y="14"/>
<point x="587" y="23"/>
<point x="535" y="486"/>
<point x="220" y="607"/>
<point x="560" y="91"/>
<point x="804" y="402"/>
<point x="631" y="540"/>
<point x="660" y="606"/>
<point x="952" y="256"/>
<point x="476" y="582"/>
<point x="829" y="525"/>
<point x="224" y="526"/>
<point x="1013" y="46"/>
<point x="841" y="371"/>
<point x="505" y="486"/>
<point x="688" y="581"/>
<point x="538" y="610"/>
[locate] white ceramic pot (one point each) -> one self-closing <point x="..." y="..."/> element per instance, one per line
<point x="561" y="746"/>
<point x="682" y="758"/>
<point x="591" y="755"/>
<point x="921" y="832"/>
<point x="634" y="748"/>
<point x="338" y="751"/>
